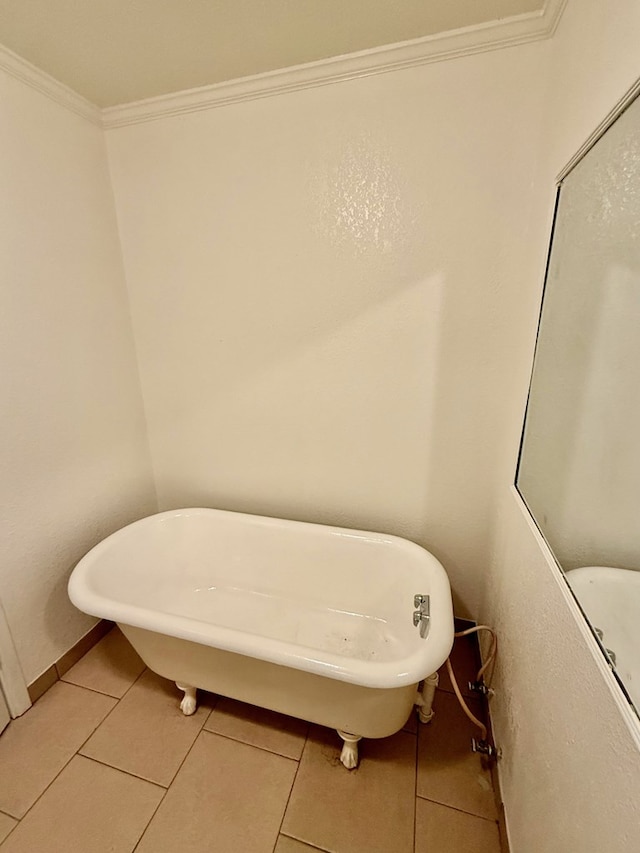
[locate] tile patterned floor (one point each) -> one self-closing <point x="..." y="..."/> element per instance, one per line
<point x="105" y="762"/>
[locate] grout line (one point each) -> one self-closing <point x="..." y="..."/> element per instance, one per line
<point x="295" y="776"/>
<point x="136" y="775"/>
<point x="306" y="843"/>
<point x="250" y="745"/>
<point x="84" y="743"/>
<point x="167" y="789"/>
<point x="155" y="812"/>
<point x="456" y="809"/>
<point x="126" y="772"/>
<point x="11" y="831"/>
<point x="146" y="826"/>
<point x="415" y="788"/>
<point x="95" y="689"/>
<point x="213" y="705"/>
<point x="255" y="745"/>
<point x="188" y="752"/>
<point x="135" y="681"/>
<point x="200" y="730"/>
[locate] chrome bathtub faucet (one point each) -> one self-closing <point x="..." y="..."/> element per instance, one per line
<point x="422" y="616"/>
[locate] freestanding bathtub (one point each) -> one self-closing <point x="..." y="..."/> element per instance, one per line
<point x="331" y="625"/>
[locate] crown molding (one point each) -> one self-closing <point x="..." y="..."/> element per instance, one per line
<point x="42" y="82"/>
<point x="627" y="99"/>
<point x="467" y="41"/>
<point x="507" y="32"/>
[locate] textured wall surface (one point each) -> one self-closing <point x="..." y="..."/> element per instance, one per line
<point x="320" y="287"/>
<point x="570" y="770"/>
<point x="74" y="462"/>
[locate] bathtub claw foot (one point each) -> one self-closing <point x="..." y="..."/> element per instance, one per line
<point x="424" y="698"/>
<point x="349" y="754"/>
<point x="189" y="702"/>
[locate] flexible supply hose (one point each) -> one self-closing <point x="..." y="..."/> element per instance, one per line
<point x="493" y="649"/>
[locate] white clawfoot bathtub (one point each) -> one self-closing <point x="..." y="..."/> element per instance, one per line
<point x="312" y="621"/>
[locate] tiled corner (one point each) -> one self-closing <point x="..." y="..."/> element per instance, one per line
<point x="227" y="796"/>
<point x="84" y="645"/>
<point x="35" y="747"/>
<point x="258" y="727"/>
<point x="89" y="807"/>
<point x="110" y="667"/>
<point x="40" y="686"/>
<point x="6" y="825"/>
<point x="147" y="734"/>
<point x="367" y="810"/>
<point x="455" y="831"/>
<point x="448" y="772"/>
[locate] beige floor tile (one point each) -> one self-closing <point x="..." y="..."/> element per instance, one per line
<point x="110" y="667"/>
<point x="258" y="727"/>
<point x="35" y="747"/>
<point x="448" y="772"/>
<point x="440" y="829"/>
<point x="6" y="825"/>
<point x="367" y="810"/>
<point x="147" y="734"/>
<point x="227" y="797"/>
<point x="89" y="808"/>
<point x="464" y="660"/>
<point x="290" y="845"/>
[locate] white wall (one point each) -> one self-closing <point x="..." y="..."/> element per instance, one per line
<point x="320" y="287"/>
<point x="570" y="773"/>
<point x="74" y="462"/>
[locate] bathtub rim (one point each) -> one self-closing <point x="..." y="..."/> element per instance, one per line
<point x="411" y="669"/>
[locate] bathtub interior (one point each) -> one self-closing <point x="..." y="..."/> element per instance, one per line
<point x="345" y="594"/>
